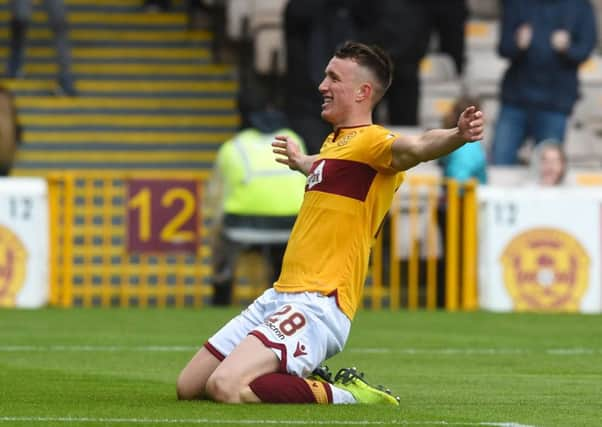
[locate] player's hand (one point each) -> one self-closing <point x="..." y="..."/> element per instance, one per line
<point x="560" y="40"/>
<point x="471" y="124"/>
<point x="288" y="152"/>
<point x="524" y="35"/>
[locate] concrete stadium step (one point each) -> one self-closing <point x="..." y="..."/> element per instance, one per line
<point x="79" y="38"/>
<point x="156" y="36"/>
<point x="126" y="137"/>
<point x="157" y="54"/>
<point x="166" y="171"/>
<point x="37" y="105"/>
<point x="46" y="168"/>
<point x="149" y="97"/>
<point x="98" y="19"/>
<point x="105" y="3"/>
<point x="132" y="88"/>
<point x="125" y="121"/>
<point x="121" y="146"/>
<point x="110" y="156"/>
<point x="192" y="70"/>
<point x="107" y="6"/>
<point x="124" y="71"/>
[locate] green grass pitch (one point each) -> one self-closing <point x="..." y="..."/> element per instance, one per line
<point x="118" y="368"/>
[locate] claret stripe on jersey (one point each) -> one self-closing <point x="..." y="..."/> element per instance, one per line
<point x="342" y="177"/>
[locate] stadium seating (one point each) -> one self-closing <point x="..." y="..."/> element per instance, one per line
<point x="598" y="10"/>
<point x="586" y="178"/>
<point x="245" y="17"/>
<point x="482" y="35"/>
<point x="440" y="85"/>
<point x="437" y="72"/>
<point x="266" y="29"/>
<point x="590" y="75"/>
<point x="149" y="96"/>
<point x="433" y="108"/>
<point x="484" y="71"/>
<point x="584" y="142"/>
<point x="590" y="72"/>
<point x="259" y="22"/>
<point x="580" y="145"/>
<point x="509" y="176"/>
<point x="269" y="52"/>
<point x="237" y="18"/>
<point x="487" y="9"/>
<point x="266" y="12"/>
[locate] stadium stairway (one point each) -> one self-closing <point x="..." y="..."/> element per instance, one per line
<point x="149" y="97"/>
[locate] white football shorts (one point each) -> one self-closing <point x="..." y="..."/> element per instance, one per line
<point x="303" y="329"/>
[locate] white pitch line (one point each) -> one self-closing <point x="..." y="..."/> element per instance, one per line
<point x="441" y="351"/>
<point x="209" y="421"/>
<point x="95" y="348"/>
<point x="577" y="351"/>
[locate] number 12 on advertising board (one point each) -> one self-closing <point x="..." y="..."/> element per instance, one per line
<point x="163" y="215"/>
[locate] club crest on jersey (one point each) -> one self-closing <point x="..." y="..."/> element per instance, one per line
<point x="345" y="140"/>
<point x="316" y="176"/>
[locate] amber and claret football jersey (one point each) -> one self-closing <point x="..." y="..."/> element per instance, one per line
<point x="349" y="190"/>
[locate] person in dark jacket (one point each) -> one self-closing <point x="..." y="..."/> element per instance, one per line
<point x="313" y="29"/>
<point x="404" y="30"/>
<point x="545" y="41"/>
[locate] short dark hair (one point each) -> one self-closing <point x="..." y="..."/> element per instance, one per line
<point x="372" y="57"/>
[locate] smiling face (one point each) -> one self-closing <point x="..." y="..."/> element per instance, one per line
<point x="551" y="166"/>
<point x="346" y="94"/>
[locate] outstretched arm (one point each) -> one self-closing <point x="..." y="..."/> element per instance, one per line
<point x="292" y="155"/>
<point x="408" y="151"/>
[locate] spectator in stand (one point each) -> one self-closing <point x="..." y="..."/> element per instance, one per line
<point x="468" y="161"/>
<point x="405" y="32"/>
<point x="545" y="41"/>
<point x="10" y="131"/>
<point x="313" y="29"/>
<point x="57" y="17"/>
<point x="549" y="164"/>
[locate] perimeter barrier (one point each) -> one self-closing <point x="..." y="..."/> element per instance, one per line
<point x="140" y="240"/>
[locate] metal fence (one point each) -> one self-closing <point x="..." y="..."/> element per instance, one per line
<point x="92" y="261"/>
<point x="140" y="239"/>
<point x="427" y="255"/>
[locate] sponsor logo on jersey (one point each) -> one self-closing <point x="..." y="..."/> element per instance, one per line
<point x="545" y="269"/>
<point x="276" y="330"/>
<point x="300" y="350"/>
<point x="342" y="177"/>
<point x="13" y="259"/>
<point x="316" y="175"/>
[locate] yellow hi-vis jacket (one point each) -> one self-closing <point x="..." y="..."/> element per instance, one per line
<point x="253" y="183"/>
